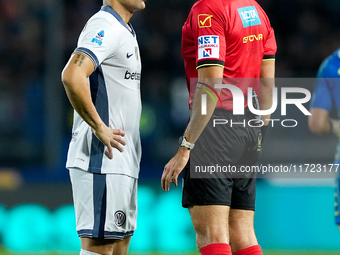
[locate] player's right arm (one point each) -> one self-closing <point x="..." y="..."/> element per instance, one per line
<point x="74" y="78"/>
<point x="319" y="122"/>
<point x="267" y="83"/>
<point x="321" y="105"/>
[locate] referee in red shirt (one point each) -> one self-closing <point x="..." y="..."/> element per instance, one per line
<point x="223" y="40"/>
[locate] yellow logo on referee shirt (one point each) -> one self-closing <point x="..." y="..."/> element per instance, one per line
<point x="259" y="142"/>
<point x="204" y="20"/>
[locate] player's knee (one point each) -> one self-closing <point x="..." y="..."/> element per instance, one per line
<point x="97" y="251"/>
<point x="120" y="252"/>
<point x="121" y="247"/>
<point x="206" y="236"/>
<point x="241" y="236"/>
<point x="201" y="241"/>
<point x="98" y="246"/>
<point x="241" y="229"/>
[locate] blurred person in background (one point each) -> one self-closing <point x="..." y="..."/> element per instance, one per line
<point x="326" y="97"/>
<point x="223" y="40"/>
<point x="102" y="82"/>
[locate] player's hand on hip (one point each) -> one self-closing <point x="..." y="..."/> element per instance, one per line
<point x="111" y="138"/>
<point x="174" y="168"/>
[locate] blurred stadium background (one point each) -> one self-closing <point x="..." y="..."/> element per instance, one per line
<point x="294" y="216"/>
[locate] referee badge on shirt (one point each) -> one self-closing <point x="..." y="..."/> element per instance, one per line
<point x="204" y="20"/>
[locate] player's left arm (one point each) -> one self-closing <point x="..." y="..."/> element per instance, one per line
<point x="207" y="76"/>
<point x="267" y="75"/>
<point x="267" y="83"/>
<point x="208" y="24"/>
<point x="320" y="122"/>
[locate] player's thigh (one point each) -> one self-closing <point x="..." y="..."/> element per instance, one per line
<point x="241" y="216"/>
<point x="106" y="246"/>
<point x="210" y="222"/>
<point x="121" y="247"/>
<point x="105" y="205"/>
<point x="98" y="245"/>
<point x="241" y="229"/>
<point x="241" y="220"/>
<point x="122" y="205"/>
<point x="244" y="193"/>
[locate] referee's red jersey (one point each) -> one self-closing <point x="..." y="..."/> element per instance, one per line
<point x="233" y="34"/>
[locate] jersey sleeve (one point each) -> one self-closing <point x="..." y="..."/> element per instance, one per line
<point x="322" y="97"/>
<point x="270" y="46"/>
<point x="208" y="26"/>
<point x="98" y="40"/>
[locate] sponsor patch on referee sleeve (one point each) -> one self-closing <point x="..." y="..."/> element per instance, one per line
<point x="208" y="46"/>
<point x="249" y="16"/>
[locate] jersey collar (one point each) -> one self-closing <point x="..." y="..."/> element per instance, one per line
<point x="107" y="8"/>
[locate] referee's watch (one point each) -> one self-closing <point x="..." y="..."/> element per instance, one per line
<point x="184" y="143"/>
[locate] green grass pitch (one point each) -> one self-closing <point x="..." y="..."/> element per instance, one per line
<point x="4" y="252"/>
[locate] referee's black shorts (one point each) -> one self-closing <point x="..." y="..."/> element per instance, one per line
<point x="218" y="172"/>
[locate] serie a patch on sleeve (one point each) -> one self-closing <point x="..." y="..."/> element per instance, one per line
<point x="208" y="46"/>
<point x="98" y="38"/>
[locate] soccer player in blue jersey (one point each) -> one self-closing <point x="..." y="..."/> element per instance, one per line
<point x="102" y="82"/>
<point x="326" y="96"/>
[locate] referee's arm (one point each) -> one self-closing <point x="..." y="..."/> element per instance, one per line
<point x="209" y="75"/>
<point x="267" y="84"/>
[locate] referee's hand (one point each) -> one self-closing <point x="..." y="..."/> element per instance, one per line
<point x="111" y="138"/>
<point x="174" y="168"/>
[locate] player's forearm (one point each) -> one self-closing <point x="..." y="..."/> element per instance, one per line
<point x="320" y="123"/>
<point x="266" y="97"/>
<point x="79" y="95"/>
<point x="324" y="127"/>
<point x="267" y="83"/>
<point x="207" y="78"/>
<point x="198" y="121"/>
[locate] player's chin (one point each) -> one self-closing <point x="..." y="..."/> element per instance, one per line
<point x="139" y="7"/>
<point x="142" y="5"/>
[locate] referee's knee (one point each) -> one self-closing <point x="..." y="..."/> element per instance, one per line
<point x="205" y="238"/>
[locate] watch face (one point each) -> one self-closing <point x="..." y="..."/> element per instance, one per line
<point x="183" y="143"/>
<point x="180" y="140"/>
